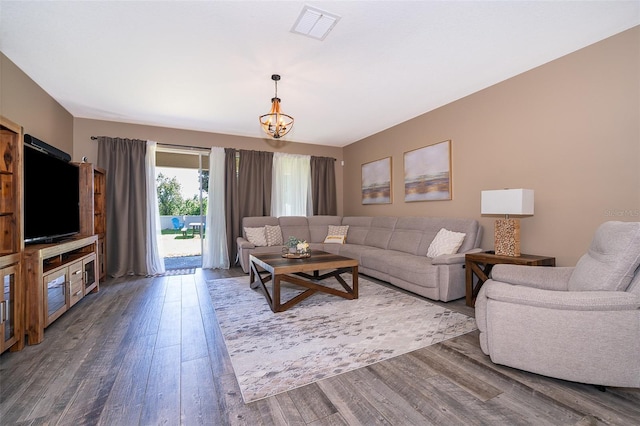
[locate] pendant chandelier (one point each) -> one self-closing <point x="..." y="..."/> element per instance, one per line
<point x="276" y="124"/>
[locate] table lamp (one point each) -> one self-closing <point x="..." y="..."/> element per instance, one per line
<point x="507" y="202"/>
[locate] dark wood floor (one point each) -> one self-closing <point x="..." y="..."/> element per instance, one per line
<point x="148" y="351"/>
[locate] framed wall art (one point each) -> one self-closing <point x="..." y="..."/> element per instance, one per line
<point x="427" y="173"/>
<point x="376" y="182"/>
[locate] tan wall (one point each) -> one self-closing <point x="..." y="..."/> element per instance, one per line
<point x="83" y="129"/>
<point x="25" y="103"/>
<point x="569" y="129"/>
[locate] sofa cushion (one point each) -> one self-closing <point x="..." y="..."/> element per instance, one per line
<point x="358" y="228"/>
<point x="274" y="235"/>
<point x="295" y="226"/>
<point x="471" y="227"/>
<point x="407" y="234"/>
<point x="330" y="248"/>
<point x="445" y="242"/>
<point x="319" y="225"/>
<point x="413" y="269"/>
<point x="256" y="236"/>
<point x="612" y="258"/>
<point x="353" y="251"/>
<point x="380" y="233"/>
<point x="374" y="257"/>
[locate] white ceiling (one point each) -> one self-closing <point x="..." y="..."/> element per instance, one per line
<point x="207" y="65"/>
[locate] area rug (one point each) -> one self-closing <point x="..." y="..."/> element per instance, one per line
<point x="324" y="335"/>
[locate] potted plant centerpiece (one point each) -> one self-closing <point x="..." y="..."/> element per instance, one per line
<point x="295" y="247"/>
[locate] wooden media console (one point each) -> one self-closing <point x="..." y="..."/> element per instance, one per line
<point x="57" y="277"/>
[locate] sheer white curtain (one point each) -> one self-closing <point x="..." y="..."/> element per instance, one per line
<point x="291" y="187"/>
<point x="155" y="263"/>
<point x="215" y="253"/>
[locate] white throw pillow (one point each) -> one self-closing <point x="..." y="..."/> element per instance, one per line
<point x="445" y="242"/>
<point x="335" y="239"/>
<point x="338" y="230"/>
<point x="256" y="236"/>
<point x="274" y="235"/>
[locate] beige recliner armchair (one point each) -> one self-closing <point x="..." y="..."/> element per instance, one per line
<point x="577" y="323"/>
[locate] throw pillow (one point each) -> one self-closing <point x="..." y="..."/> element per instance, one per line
<point x="445" y="242"/>
<point x="274" y="235"/>
<point x="335" y="239"/>
<point x="338" y="230"/>
<point x="256" y="236"/>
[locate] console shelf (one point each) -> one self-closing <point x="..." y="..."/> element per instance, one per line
<point x="57" y="277"/>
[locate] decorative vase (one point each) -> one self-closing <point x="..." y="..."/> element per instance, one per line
<point x="288" y="251"/>
<point x="304" y="252"/>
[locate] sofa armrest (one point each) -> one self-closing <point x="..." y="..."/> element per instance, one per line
<point x="243" y="243"/>
<point x="452" y="259"/>
<point x="562" y="300"/>
<point x="542" y="277"/>
<point x="448" y="259"/>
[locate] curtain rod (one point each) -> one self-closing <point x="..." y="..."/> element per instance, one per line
<point x="199" y="148"/>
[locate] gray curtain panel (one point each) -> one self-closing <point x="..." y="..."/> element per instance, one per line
<point x="323" y="186"/>
<point x="232" y="211"/>
<point x="247" y="190"/>
<point x="254" y="183"/>
<point x="124" y="162"/>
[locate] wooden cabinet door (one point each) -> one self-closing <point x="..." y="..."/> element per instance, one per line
<point x="55" y="294"/>
<point x="8" y="304"/>
<point x="90" y="278"/>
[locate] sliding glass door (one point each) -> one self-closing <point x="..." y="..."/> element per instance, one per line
<point x="182" y="185"/>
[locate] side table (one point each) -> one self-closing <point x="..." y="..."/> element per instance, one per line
<point x="480" y="265"/>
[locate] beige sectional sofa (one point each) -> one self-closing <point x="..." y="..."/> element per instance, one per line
<point x="392" y="249"/>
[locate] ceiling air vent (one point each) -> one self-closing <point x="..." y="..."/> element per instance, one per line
<point x="314" y="23"/>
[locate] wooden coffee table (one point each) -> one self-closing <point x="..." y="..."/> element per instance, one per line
<point x="296" y="271"/>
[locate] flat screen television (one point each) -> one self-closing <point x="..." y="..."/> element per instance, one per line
<point x="51" y="197"/>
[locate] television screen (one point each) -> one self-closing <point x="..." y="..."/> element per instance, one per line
<point x="51" y="197"/>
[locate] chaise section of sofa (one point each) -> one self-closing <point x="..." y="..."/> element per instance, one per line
<point x="392" y="249"/>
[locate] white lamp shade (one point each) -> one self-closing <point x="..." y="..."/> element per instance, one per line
<point x="507" y="201"/>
